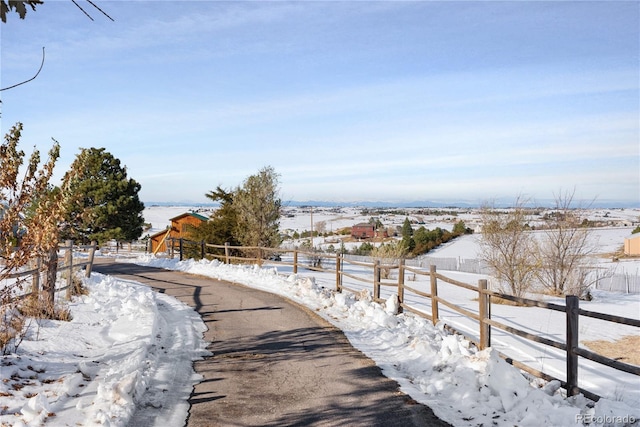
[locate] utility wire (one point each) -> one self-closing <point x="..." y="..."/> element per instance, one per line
<point x="95" y="6"/>
<point x="27" y="81"/>
<point x="83" y="11"/>
<point x="103" y="12"/>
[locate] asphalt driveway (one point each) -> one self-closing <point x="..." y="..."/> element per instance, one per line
<point x="276" y="363"/>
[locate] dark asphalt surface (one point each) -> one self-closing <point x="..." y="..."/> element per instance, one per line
<point x="276" y="363"/>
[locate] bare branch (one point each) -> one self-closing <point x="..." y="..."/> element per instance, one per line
<point x="32" y="78"/>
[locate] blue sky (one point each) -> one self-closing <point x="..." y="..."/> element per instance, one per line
<point x="348" y="101"/>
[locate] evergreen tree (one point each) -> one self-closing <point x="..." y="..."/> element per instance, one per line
<point x="408" y="242"/>
<point x="407" y="230"/>
<point x="421" y="236"/>
<point x="247" y="216"/>
<point x="258" y="208"/>
<point x="459" y="228"/>
<point x="104" y="203"/>
<point x="220" y="228"/>
<point x="363" y="249"/>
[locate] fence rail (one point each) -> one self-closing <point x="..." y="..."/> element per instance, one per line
<point x="64" y="264"/>
<point x="614" y="282"/>
<point x="482" y="315"/>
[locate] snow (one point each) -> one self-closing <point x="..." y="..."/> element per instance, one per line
<point x="131" y="350"/>
<point x="462" y="385"/>
<point x="126" y="343"/>
<point x="125" y="347"/>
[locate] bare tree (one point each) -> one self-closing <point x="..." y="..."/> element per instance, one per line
<point x="314" y="255"/>
<point x="389" y="255"/>
<point x="508" y="248"/>
<point x="565" y="250"/>
<point x="320" y="227"/>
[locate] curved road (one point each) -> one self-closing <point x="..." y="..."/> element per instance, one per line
<point x="276" y="363"/>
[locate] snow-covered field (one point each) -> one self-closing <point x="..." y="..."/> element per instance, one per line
<point x="126" y="343"/>
<point x="301" y="218"/>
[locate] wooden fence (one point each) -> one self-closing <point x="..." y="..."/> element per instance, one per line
<point x="315" y="261"/>
<point x="134" y="248"/>
<point x="65" y="265"/>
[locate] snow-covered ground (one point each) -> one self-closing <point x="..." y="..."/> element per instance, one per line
<point x="126" y="347"/>
<point x="462" y="385"/>
<point x="127" y="344"/>
<point x="301" y="219"/>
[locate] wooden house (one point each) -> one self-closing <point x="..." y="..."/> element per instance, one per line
<point x="363" y="230"/>
<point x="179" y="228"/>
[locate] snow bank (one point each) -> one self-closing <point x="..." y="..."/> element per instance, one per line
<point x="111" y="358"/>
<point x="463" y="386"/>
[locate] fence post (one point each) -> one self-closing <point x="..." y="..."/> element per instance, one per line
<point x="180" y="242"/>
<point x="572" y="312"/>
<point x="171" y="251"/>
<point x="68" y="265"/>
<point x="295" y="261"/>
<point x="338" y="275"/>
<point x="92" y="252"/>
<point x="202" y="249"/>
<point x="35" y="277"/>
<point x="226" y="252"/>
<point x="434" y="294"/>
<point x="483" y="312"/>
<point x="49" y="287"/>
<point x="400" y="285"/>
<point x="376" y="280"/>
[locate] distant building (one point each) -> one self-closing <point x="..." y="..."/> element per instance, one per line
<point x="179" y="228"/>
<point x="363" y="230"/>
<point x="632" y="244"/>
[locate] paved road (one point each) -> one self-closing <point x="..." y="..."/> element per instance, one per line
<point x="275" y="363"/>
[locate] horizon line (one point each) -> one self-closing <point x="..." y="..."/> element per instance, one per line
<point x="453" y="203"/>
